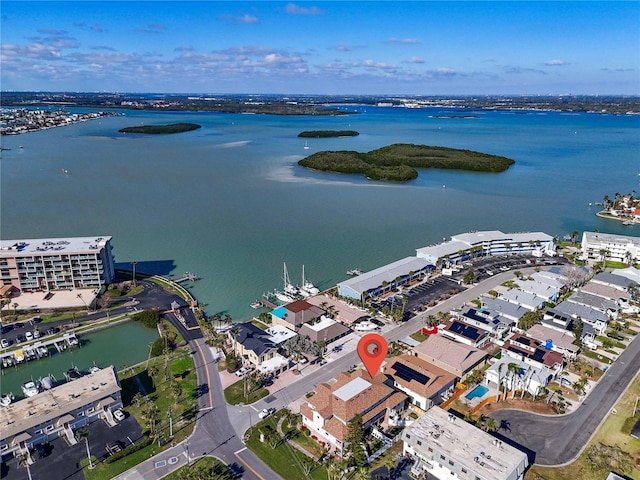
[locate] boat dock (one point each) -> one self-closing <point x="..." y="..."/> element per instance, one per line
<point x="263" y="302"/>
<point x="187" y="277"/>
<point x="38" y="349"/>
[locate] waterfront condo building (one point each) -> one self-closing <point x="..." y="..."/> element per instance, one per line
<point x="56" y="263"/>
<point x="447" y="447"/>
<point x="597" y="246"/>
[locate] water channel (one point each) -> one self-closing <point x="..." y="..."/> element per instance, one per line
<point x="121" y="345"/>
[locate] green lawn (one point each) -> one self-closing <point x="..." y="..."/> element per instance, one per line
<point x="596" y="356"/>
<point x="234" y="394"/>
<point x="419" y="336"/>
<point x="284" y="459"/>
<point x="158" y="389"/>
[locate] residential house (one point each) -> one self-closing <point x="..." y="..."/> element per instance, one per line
<point x="561" y="341"/>
<point x="446" y="447"/>
<point x="465" y="333"/>
<point x="324" y="329"/>
<point x="328" y="412"/>
<point x="542" y="290"/>
<point x="295" y="314"/>
<point x="496" y="325"/>
<point x="618" y="248"/>
<point x="509" y="313"/>
<point x="516" y="375"/>
<point x="423" y="382"/>
<point x="533" y="352"/>
<point x="456" y="358"/>
<point x="527" y="300"/>
<point x="589" y="316"/>
<point x="257" y="349"/>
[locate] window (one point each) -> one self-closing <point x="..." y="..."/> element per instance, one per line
<point x="451" y="462"/>
<point x="90" y="410"/>
<point x="464" y="470"/>
<point x="406" y="435"/>
<point x="49" y="428"/>
<point x="430" y="449"/>
<point x="442" y="457"/>
<point x="419" y="442"/>
<point x="37" y="432"/>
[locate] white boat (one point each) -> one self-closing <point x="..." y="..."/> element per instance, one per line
<point x="306" y="145"/>
<point x="354" y="272"/>
<point x="94" y="369"/>
<point x="365" y="326"/>
<point x="42" y="351"/>
<point x="30" y="388"/>
<point x="289" y="288"/>
<point x="283" y="297"/>
<point x="48" y="382"/>
<point x="308" y="287"/>
<point x="6" y="399"/>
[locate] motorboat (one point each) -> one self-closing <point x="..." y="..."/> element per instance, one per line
<point x="354" y="272"/>
<point x="42" y="351"/>
<point x="94" y="369"/>
<point x="6" y="399"/>
<point x="306" y="145"/>
<point x="72" y="374"/>
<point x="30" y="388"/>
<point x="48" y="382"/>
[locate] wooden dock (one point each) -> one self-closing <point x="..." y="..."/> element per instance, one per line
<point x="187" y="277"/>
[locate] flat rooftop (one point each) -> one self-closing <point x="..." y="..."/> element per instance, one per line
<point x="53" y="299"/>
<point x="465" y="443"/>
<point x="51" y="246"/>
<point x="351" y="389"/>
<point x="52" y="404"/>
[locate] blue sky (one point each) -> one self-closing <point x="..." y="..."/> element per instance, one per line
<point x="416" y="47"/>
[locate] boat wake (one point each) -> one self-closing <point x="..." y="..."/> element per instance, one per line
<point x="240" y="143"/>
<point x="287" y="174"/>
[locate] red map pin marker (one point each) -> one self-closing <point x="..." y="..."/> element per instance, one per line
<point x="372" y="349"/>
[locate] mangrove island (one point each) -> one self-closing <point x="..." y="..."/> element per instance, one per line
<point x="159" y="129"/>
<point x="328" y="133"/>
<point x="398" y="162"/>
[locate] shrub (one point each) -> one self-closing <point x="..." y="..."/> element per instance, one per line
<point x="129" y="450"/>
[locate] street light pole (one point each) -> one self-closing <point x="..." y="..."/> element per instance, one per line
<point x="133" y="264"/>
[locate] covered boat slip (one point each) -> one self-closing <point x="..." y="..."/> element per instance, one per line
<point x="387" y="277"/>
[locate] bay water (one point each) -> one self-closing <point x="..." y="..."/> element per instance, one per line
<point x="229" y="203"/>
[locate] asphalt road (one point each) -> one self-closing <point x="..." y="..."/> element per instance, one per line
<point x="557" y="440"/>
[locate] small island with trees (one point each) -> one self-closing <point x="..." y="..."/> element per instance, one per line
<point x="160" y="129"/>
<point x="398" y="162"/>
<point x="328" y="133"/>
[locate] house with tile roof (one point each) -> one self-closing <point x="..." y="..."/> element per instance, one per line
<point x="328" y="412"/>
<point x="295" y="314"/>
<point x="456" y="358"/>
<point x="423" y="382"/>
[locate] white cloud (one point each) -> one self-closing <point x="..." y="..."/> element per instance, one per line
<point x="406" y="41"/>
<point x="556" y="62"/>
<point x="245" y="19"/>
<point x="415" y="60"/>
<point x="294" y="9"/>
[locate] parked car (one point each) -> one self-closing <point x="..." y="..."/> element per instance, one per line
<point x="36" y="333"/>
<point x="241" y="372"/>
<point x="266" y="412"/>
<point x="29" y="335"/>
<point x="4" y="343"/>
<point x="118" y="415"/>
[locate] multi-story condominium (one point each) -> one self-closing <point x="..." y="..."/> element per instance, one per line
<point x="56" y="263"/>
<point x="465" y="246"/>
<point x="447" y="447"/>
<point x="597" y="246"/>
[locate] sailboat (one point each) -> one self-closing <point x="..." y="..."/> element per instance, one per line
<point x="306" y="145"/>
<point x="289" y="288"/>
<point x="307" y="287"/>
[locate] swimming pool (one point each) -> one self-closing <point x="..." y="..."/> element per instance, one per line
<point x="477" y="392"/>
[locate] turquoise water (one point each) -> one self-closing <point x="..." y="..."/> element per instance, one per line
<point x="229" y="203"/>
<point x="130" y="340"/>
<point x="477" y="392"/>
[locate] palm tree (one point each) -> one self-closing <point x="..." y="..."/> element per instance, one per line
<point x="15" y="308"/>
<point x="234" y="333"/>
<point x="491" y="425"/>
<point x="574" y="236"/>
<point x="603" y="253"/>
<point x="500" y="380"/>
<point x="513" y="368"/>
<point x="84" y="433"/>
<point x="628" y="256"/>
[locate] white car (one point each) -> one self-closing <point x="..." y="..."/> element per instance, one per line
<point x="266" y="412"/>
<point x="4" y="343"/>
<point x="29" y="336"/>
<point x="241" y="372"/>
<point x="118" y="415"/>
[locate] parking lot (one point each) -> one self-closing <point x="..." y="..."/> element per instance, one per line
<point x="64" y="459"/>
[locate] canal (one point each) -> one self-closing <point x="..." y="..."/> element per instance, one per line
<point x="122" y="345"/>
